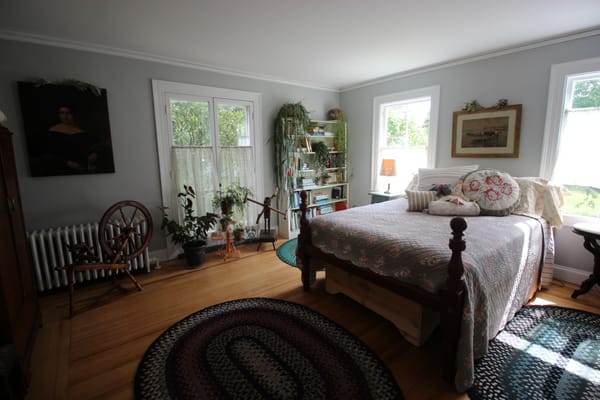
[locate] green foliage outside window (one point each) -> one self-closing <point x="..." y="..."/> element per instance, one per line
<point x="586" y="93"/>
<point x="191" y="126"/>
<point x="582" y="200"/>
<point x="190" y="123"/>
<point x="232" y="125"/>
<point x="404" y="130"/>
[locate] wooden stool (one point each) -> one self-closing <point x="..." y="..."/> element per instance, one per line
<point x="591" y="236"/>
<point x="266" y="236"/>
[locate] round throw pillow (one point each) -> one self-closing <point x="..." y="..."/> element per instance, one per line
<point x="496" y="192"/>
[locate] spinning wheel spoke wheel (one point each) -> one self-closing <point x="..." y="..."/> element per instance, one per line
<point x="125" y="230"/>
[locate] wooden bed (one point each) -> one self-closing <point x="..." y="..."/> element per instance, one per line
<point x="414" y="310"/>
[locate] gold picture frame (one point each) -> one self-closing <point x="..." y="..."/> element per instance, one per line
<point x="489" y="132"/>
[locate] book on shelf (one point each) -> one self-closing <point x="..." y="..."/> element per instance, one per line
<point x="326" y="209"/>
<point x="305" y="183"/>
<point x="337" y="192"/>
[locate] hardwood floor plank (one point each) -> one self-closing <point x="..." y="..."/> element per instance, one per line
<point x="95" y="354"/>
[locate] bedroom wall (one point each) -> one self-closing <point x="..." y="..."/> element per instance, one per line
<point x="56" y="201"/>
<point x="521" y="77"/>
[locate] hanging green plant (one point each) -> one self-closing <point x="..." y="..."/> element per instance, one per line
<point x="339" y="135"/>
<point x="292" y="119"/>
<point x="79" y="85"/>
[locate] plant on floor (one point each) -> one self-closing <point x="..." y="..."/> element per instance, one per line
<point x="192" y="228"/>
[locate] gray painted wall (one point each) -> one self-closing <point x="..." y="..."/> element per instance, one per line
<point x="521" y="77"/>
<point x="53" y="201"/>
<point x="56" y="201"/>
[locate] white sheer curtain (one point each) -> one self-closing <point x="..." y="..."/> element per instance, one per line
<point x="196" y="166"/>
<point x="578" y="149"/>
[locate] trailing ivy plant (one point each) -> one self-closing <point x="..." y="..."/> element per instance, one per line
<point x="292" y="119"/>
<point x="339" y="135"/>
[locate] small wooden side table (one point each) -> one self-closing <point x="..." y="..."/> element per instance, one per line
<point x="379" y="197"/>
<point x="591" y="236"/>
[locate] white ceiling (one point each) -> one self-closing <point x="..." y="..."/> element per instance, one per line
<point x="332" y="44"/>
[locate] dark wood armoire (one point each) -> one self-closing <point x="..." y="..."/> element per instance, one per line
<point x="19" y="310"/>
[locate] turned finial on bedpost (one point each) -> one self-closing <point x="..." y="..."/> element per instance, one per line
<point x="455" y="295"/>
<point x="303" y="209"/>
<point x="457" y="245"/>
<point x="302" y="257"/>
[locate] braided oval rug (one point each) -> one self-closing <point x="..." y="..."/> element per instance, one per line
<point x="544" y="352"/>
<point x="261" y="348"/>
<point x="287" y="252"/>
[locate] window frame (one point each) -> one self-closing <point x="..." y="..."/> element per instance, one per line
<point x="558" y="95"/>
<point x="431" y="92"/>
<point x="163" y="90"/>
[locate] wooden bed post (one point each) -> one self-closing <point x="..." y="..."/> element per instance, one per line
<point x="303" y="257"/>
<point x="455" y="296"/>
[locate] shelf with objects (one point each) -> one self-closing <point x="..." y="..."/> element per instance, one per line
<point x="316" y="163"/>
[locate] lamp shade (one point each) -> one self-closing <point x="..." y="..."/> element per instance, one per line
<point x="388" y="167"/>
<point x="2" y="117"/>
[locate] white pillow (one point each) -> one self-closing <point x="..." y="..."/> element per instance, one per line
<point x="450" y="175"/>
<point x="443" y="207"/>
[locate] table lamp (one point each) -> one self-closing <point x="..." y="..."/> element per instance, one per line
<point x="388" y="168"/>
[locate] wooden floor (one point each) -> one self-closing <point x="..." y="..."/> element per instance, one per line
<point x="95" y="354"/>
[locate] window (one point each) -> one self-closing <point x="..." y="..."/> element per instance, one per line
<point x="405" y="130"/>
<point x="572" y="136"/>
<point x="206" y="137"/>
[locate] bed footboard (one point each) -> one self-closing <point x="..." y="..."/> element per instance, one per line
<point x="449" y="302"/>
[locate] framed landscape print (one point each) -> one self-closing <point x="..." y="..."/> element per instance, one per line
<point x="489" y="132"/>
<point x="66" y="128"/>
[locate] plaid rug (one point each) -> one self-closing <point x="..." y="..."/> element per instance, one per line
<point x="544" y="352"/>
<point x="261" y="349"/>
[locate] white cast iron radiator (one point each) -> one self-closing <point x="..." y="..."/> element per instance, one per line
<point x="48" y="250"/>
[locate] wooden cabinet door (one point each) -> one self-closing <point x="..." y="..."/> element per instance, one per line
<point x="20" y="313"/>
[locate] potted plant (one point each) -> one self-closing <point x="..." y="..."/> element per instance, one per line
<point x="292" y="119"/>
<point x="231" y="199"/>
<point x="239" y="232"/>
<point x="321" y="156"/>
<point x="192" y="232"/>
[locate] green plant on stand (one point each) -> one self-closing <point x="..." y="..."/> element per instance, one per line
<point x="231" y="199"/>
<point x="192" y="231"/>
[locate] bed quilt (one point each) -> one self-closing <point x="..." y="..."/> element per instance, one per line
<point x="501" y="259"/>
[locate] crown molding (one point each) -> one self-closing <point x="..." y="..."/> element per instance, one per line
<point x="477" y="57"/>
<point x="115" y="51"/>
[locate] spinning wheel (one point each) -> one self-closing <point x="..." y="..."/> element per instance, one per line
<point x="125" y="230"/>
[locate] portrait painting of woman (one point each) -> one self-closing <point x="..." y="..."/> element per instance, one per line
<point x="67" y="130"/>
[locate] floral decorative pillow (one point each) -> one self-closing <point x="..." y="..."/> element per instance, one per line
<point x="496" y="192"/>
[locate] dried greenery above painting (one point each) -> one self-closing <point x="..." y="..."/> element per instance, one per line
<point x="79" y="85"/>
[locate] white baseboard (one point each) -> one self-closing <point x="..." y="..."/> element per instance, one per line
<point x="571" y="275"/>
